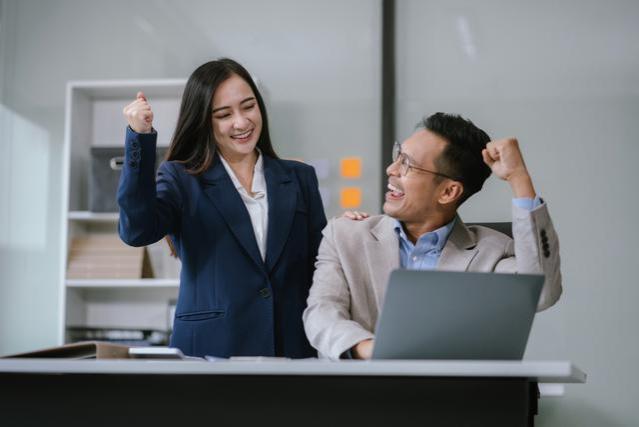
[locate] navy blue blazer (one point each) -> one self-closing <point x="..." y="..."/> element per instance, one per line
<point x="231" y="302"/>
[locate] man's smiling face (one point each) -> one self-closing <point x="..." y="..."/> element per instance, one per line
<point x="413" y="197"/>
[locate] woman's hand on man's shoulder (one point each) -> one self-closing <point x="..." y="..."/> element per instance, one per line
<point x="355" y="215"/>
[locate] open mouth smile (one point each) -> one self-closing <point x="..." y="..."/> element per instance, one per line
<point x="394" y="192"/>
<point x="243" y="137"/>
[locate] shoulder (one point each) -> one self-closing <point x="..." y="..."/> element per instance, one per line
<point x="172" y="167"/>
<point x="297" y="171"/>
<point x="348" y="237"/>
<point x="341" y="226"/>
<point x="296" y="167"/>
<point x="172" y="170"/>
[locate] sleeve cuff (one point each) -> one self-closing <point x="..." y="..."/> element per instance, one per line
<point x="139" y="149"/>
<point x="528" y="203"/>
<point x="348" y="354"/>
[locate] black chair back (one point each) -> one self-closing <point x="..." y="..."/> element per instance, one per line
<point x="502" y="227"/>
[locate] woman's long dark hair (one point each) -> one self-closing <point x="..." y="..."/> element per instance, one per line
<point x="193" y="143"/>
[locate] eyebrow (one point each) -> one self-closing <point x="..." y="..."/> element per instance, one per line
<point x="410" y="159"/>
<point x="250" y="98"/>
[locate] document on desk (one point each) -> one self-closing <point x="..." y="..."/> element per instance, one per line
<point x="162" y="353"/>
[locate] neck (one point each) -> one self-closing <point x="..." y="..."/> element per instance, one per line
<point x="240" y="161"/>
<point x="243" y="167"/>
<point x="414" y="230"/>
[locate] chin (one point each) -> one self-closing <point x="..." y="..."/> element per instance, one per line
<point x="388" y="210"/>
<point x="244" y="148"/>
<point x="395" y="212"/>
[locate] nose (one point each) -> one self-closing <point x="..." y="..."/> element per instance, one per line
<point x="241" y="122"/>
<point x="393" y="169"/>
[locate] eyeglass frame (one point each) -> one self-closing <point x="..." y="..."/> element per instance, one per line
<point x="397" y="154"/>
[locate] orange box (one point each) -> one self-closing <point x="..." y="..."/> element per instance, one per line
<point x="350" y="197"/>
<point x="351" y="167"/>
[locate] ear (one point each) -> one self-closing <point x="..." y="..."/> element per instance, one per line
<point x="451" y="192"/>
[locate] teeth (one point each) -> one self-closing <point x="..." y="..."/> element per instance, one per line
<point x="395" y="190"/>
<point x="242" y="135"/>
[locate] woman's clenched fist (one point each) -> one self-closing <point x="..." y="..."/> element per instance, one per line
<point x="139" y="115"/>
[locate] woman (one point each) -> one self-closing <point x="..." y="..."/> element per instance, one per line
<point x="245" y="224"/>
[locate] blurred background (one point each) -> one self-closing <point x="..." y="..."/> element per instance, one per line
<point x="562" y="77"/>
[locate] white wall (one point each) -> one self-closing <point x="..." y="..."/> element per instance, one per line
<point x="318" y="64"/>
<point x="563" y="77"/>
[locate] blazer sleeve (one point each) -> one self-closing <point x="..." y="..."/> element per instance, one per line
<point x="149" y="209"/>
<point x="317" y="220"/>
<point x="535" y="250"/>
<point x="327" y="318"/>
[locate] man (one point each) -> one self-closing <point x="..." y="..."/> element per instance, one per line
<point x="433" y="172"/>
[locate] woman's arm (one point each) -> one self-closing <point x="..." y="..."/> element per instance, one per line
<point x="149" y="209"/>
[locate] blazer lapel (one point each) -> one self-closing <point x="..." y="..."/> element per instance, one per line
<point x="382" y="256"/>
<point x="459" y="250"/>
<point x="220" y="189"/>
<point x="282" y="200"/>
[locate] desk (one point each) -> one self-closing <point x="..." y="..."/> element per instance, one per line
<point x="300" y="392"/>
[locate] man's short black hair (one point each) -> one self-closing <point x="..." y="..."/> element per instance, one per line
<point x="462" y="158"/>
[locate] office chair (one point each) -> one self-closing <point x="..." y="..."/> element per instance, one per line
<point x="502" y="227"/>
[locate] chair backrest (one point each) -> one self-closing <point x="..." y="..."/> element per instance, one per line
<point x="502" y="227"/>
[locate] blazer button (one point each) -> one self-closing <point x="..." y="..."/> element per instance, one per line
<point x="135" y="145"/>
<point x="133" y="163"/>
<point x="265" y="293"/>
<point x="543" y="233"/>
<point x="135" y="154"/>
<point x="546" y="254"/>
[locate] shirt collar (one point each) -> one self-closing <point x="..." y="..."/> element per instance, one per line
<point x="435" y="239"/>
<point x="259" y="184"/>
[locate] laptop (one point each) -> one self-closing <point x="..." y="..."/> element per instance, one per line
<point x="456" y="315"/>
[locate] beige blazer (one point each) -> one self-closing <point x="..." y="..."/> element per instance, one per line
<point x="356" y="258"/>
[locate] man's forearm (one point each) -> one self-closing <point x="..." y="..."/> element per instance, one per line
<point x="522" y="186"/>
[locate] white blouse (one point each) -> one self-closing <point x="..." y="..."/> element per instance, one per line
<point x="257" y="206"/>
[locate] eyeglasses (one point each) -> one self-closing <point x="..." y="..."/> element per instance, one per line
<point x="405" y="166"/>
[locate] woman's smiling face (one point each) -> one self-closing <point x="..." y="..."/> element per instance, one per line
<point x="237" y="121"/>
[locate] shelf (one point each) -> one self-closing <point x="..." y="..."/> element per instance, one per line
<point x="93" y="113"/>
<point x="125" y="89"/>
<point x="122" y="283"/>
<point x="88" y="216"/>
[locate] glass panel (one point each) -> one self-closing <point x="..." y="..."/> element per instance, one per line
<point x="318" y="64"/>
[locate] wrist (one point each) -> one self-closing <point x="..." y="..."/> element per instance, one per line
<point x="361" y="349"/>
<point x="355" y="350"/>
<point x="141" y="130"/>
<point x="521" y="185"/>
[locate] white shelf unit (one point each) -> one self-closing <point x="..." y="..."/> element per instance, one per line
<point x="94" y="118"/>
<point x="122" y="283"/>
<point x="93" y="216"/>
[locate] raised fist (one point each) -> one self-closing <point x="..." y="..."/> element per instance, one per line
<point x="504" y="158"/>
<point x="139" y="115"/>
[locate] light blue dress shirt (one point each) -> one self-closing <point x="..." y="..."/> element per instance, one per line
<point x="424" y="255"/>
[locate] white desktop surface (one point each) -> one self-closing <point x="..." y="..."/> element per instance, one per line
<point x="560" y="372"/>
